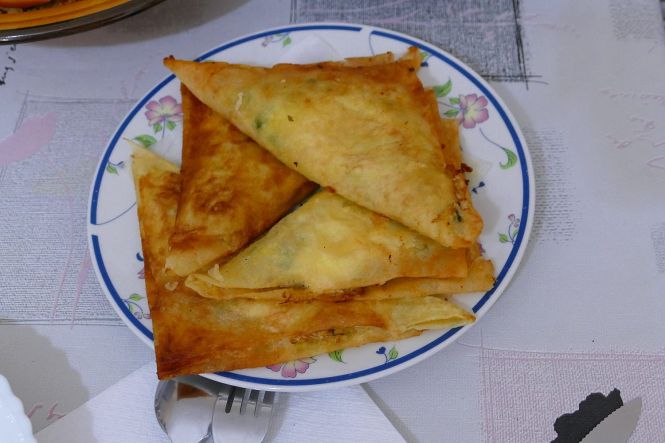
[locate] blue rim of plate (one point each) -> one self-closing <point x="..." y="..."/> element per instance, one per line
<point x="527" y="194"/>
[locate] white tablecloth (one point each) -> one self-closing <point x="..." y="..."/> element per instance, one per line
<point x="583" y="314"/>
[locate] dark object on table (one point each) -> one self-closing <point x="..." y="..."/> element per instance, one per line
<point x="573" y="427"/>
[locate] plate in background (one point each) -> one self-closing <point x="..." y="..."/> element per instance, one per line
<point x="65" y="19"/>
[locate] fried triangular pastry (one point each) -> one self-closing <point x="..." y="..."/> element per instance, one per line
<point x="194" y="335"/>
<point x="330" y="243"/>
<point x="232" y="189"/>
<point x="480" y="278"/>
<point x="366" y="130"/>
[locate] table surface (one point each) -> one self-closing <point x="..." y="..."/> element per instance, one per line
<point x="584" y="312"/>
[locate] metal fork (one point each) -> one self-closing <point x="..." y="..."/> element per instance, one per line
<point x="195" y="409"/>
<point x="242" y="415"/>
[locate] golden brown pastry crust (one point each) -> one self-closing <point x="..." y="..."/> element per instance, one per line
<point x="329" y="244"/>
<point x="193" y="334"/>
<point x="232" y="190"/>
<point x="480" y="278"/>
<point x="369" y="131"/>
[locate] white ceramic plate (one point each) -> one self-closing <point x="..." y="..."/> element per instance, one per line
<point x="502" y="188"/>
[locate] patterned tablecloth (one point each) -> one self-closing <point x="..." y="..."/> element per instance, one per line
<point x="585" y="311"/>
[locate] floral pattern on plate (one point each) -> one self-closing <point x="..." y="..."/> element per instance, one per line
<point x="470" y="110"/>
<point x="292" y="368"/>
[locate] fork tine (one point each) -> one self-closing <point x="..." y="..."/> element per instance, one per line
<point x="239" y="401"/>
<point x="259" y="402"/>
<point x="269" y="398"/>
<point x="229" y="399"/>
<point x="252" y="401"/>
<point x="246" y="417"/>
<point x="245" y="400"/>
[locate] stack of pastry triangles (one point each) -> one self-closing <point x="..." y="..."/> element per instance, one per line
<point x="318" y="207"/>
